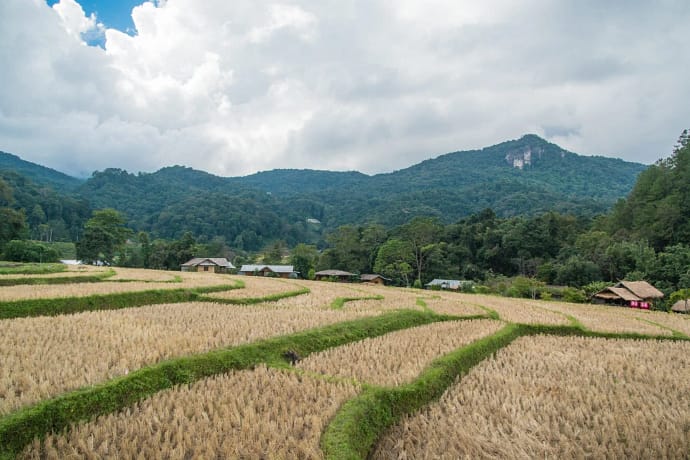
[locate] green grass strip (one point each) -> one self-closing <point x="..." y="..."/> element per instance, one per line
<point x="422" y="303"/>
<point x="254" y="300"/>
<point x="66" y="305"/>
<point x="20" y="428"/>
<point x="18" y="268"/>
<point x="339" y="302"/>
<point x="95" y="278"/>
<point x="674" y="332"/>
<point x="361" y="421"/>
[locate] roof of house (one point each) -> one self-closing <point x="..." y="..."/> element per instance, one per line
<point x="682" y="306"/>
<point x="333" y="273"/>
<point x="273" y="268"/>
<point x="372" y="276"/>
<point x="208" y="261"/>
<point x="452" y="284"/>
<point x="641" y="289"/>
<point x="630" y="291"/>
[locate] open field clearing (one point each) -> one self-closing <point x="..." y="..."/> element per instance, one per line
<point x="71" y="271"/>
<point x="47" y="291"/>
<point x="322" y="295"/>
<point x="400" y="356"/>
<point x="603" y="318"/>
<point x="558" y="397"/>
<point x="450" y="304"/>
<point x="256" y="286"/>
<point x="46" y="356"/>
<point x="264" y="413"/>
<point x="515" y="310"/>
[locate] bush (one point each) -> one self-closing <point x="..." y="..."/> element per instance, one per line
<point x="574" y="295"/>
<point x="30" y="251"/>
<point x="417" y="284"/>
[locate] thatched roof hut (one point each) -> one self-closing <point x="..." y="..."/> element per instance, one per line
<point x="682" y="306"/>
<point x="639" y="294"/>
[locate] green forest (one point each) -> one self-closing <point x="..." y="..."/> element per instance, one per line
<point x="552" y="228"/>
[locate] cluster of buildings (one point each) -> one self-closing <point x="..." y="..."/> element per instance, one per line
<point x="222" y="265"/>
<point x="634" y="294"/>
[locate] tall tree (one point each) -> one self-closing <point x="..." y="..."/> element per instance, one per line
<point x="423" y="234"/>
<point x="104" y="235"/>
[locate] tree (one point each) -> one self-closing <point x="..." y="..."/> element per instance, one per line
<point x="303" y="258"/>
<point x="104" y="235"/>
<point x="29" y="251"/>
<point x="394" y="261"/>
<point x="12" y="225"/>
<point x="423" y="234"/>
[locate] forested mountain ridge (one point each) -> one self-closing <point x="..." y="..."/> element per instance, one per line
<point x="38" y="174"/>
<point x="527" y="176"/>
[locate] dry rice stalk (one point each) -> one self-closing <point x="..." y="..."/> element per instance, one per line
<point x="556" y="397"/>
<point x="258" y="287"/>
<point x="400" y="356"/>
<point x="263" y="413"/>
<point x="609" y="319"/>
<point x="51" y="291"/>
<point x="45" y="356"/>
<point x="515" y="310"/>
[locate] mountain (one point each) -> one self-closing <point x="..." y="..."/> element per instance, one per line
<point x="526" y="176"/>
<point x="39" y="174"/>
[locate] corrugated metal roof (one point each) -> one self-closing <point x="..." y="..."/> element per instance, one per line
<point x="219" y="261"/>
<point x="273" y="268"/>
<point x="333" y="273"/>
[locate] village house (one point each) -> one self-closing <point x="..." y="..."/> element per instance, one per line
<point x="336" y="275"/>
<point x="453" y="285"/>
<point x="208" y="265"/>
<point x="277" y="271"/>
<point x="373" y="278"/>
<point x="635" y="294"/>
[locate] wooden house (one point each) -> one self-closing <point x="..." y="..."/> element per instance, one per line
<point x="337" y="275"/>
<point x="277" y="271"/>
<point x="208" y="265"/>
<point x="374" y="279"/>
<point x="635" y="294"/>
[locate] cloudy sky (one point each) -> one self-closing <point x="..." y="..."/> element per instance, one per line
<point x="239" y="86"/>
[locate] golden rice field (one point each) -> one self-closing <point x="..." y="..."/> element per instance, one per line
<point x="451" y="304"/>
<point x="257" y="286"/>
<point x="400" y="356"/>
<point x="46" y="356"/>
<point x="48" y="291"/>
<point x="265" y="413"/>
<point x="544" y="397"/>
<point x="605" y="318"/>
<point x="516" y="310"/>
<point x="556" y="397"/>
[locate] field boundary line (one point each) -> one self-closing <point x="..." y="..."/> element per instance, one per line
<point x="19" y="428"/>
<point x="361" y="421"/>
<point x="67" y="305"/>
<point x="100" y="277"/>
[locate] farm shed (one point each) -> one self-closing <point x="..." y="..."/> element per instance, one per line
<point x="682" y="306"/>
<point x="635" y="294"/>
<point x="338" y="275"/>
<point x="277" y="271"/>
<point x="374" y="279"/>
<point x="207" y="265"/>
<point x="444" y="284"/>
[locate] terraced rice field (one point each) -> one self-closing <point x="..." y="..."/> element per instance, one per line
<point x="398" y="357"/>
<point x="265" y="413"/>
<point x="555" y="396"/>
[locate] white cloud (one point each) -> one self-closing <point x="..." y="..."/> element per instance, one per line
<point x="376" y="85"/>
<point x="75" y="21"/>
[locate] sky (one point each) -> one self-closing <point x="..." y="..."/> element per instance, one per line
<point x="239" y="86"/>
